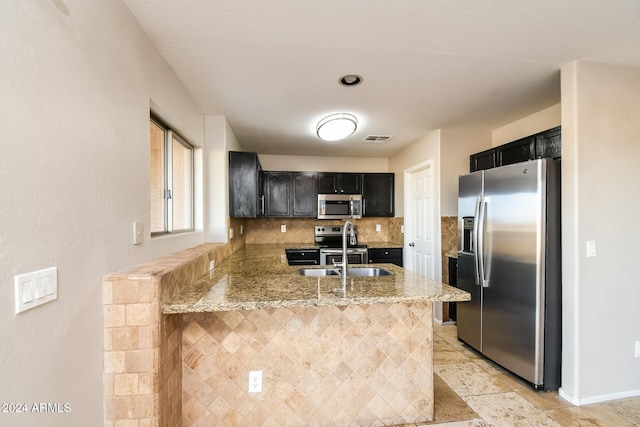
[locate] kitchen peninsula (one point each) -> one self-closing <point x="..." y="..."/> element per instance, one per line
<point x="329" y="355"/>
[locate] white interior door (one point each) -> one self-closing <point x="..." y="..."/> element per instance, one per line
<point x="419" y="220"/>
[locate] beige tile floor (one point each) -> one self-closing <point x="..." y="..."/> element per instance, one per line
<point x="471" y="391"/>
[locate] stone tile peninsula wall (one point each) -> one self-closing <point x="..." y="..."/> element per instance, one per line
<point x="335" y="365"/>
<point x="191" y="367"/>
<point x="142" y="347"/>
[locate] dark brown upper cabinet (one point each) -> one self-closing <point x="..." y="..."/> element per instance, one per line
<point x="378" y="194"/>
<point x="245" y="185"/>
<point x="282" y="194"/>
<point x="483" y="160"/>
<point x="290" y="194"/>
<point x="331" y="182"/>
<point x="517" y="151"/>
<point x="547" y="144"/>
<point x="277" y="191"/>
<point x="304" y="195"/>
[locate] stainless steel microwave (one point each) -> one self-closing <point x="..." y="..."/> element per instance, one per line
<point x="339" y="206"/>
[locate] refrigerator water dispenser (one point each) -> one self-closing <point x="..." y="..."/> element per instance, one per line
<point x="467" y="241"/>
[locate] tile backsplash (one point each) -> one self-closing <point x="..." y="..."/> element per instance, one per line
<point x="449" y="236"/>
<point x="268" y="230"/>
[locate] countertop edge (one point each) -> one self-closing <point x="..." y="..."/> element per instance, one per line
<point x="256" y="278"/>
<point x="178" y="308"/>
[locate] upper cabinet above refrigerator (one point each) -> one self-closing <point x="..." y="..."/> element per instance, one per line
<point x="545" y="144"/>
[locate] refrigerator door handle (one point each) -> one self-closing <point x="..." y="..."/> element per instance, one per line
<point x="482" y="208"/>
<point x="475" y="247"/>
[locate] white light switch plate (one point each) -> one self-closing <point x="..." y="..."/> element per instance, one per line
<point x="137" y="233"/>
<point x="36" y="288"/>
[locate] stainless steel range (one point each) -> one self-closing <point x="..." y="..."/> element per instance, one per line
<point x="329" y="238"/>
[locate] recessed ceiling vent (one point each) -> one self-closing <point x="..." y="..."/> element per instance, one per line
<point x="376" y="139"/>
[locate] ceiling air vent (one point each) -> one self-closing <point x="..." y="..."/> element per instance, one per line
<point x="376" y="139"/>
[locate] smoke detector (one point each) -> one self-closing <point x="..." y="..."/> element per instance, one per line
<point x="376" y="139"/>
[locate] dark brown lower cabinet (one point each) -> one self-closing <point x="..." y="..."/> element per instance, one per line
<point x="303" y="256"/>
<point x="385" y="255"/>
<point x="453" y="281"/>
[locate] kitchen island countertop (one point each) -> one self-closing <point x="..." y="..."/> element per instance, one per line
<point x="259" y="277"/>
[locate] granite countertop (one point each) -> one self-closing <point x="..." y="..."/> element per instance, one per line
<point x="259" y="277"/>
<point x="383" y="245"/>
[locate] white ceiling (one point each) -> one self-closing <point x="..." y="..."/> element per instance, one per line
<point x="272" y="66"/>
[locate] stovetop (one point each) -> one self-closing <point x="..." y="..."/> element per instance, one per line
<point x="330" y="236"/>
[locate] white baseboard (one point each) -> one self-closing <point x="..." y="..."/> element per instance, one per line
<point x="441" y="323"/>
<point x="596" y="399"/>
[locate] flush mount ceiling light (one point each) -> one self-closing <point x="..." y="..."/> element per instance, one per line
<point x="336" y="126"/>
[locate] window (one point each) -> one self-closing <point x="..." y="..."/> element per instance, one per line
<point x="171" y="180"/>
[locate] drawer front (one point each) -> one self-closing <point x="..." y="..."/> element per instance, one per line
<point x="386" y="255"/>
<point x="303" y="256"/>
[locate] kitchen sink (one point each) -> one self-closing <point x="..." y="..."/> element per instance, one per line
<point x="351" y="272"/>
<point x="368" y="271"/>
<point x="319" y="272"/>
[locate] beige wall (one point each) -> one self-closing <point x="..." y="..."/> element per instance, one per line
<point x="601" y="295"/>
<point x="78" y="80"/>
<point x="219" y="140"/>
<point x="532" y="124"/>
<point x="272" y="162"/>
<point x="452" y="148"/>
<point x="426" y="149"/>
<point x="457" y="144"/>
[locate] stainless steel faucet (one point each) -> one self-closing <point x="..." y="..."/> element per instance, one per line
<point x="348" y="225"/>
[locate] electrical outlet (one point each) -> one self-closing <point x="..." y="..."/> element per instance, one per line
<point x="283" y="228"/>
<point x="378" y="228"/>
<point x="255" y="381"/>
<point x="231" y="233"/>
<point x="638" y="348"/>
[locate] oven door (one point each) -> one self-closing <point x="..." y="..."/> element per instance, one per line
<point x="354" y="256"/>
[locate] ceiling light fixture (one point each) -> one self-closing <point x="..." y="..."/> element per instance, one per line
<point x="350" y="80"/>
<point x="336" y="126"/>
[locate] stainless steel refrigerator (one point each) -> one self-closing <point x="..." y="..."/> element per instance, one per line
<point x="509" y="259"/>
